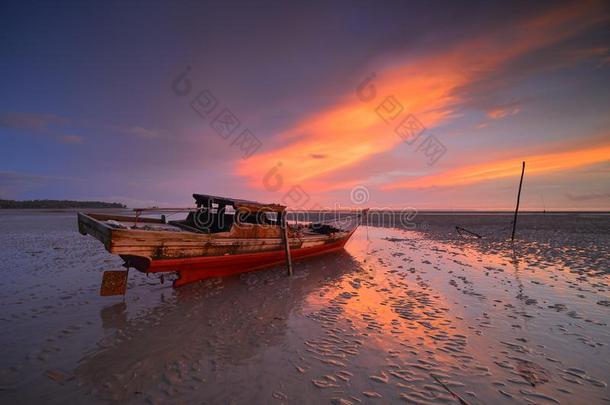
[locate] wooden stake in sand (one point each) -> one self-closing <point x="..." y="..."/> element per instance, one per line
<point x="459" y="230"/>
<point x="284" y="225"/>
<point x="518" y="198"/>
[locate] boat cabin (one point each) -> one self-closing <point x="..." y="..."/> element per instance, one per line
<point x="218" y="214"/>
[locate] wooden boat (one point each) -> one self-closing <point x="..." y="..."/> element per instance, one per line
<point x="222" y="236"/>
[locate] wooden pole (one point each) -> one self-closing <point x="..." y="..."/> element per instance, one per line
<point x="518" y="198"/>
<point x="286" y="243"/>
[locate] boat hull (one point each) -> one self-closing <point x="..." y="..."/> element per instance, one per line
<point x="196" y="256"/>
<point x="193" y="269"/>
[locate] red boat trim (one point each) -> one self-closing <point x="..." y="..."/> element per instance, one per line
<point x="198" y="268"/>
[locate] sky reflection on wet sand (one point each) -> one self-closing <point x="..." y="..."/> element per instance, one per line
<point x="390" y="319"/>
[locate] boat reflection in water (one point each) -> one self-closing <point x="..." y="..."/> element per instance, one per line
<point x="208" y="335"/>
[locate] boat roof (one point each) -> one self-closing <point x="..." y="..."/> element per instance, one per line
<point x="206" y="200"/>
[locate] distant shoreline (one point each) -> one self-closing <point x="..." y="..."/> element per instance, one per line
<point x="69" y="205"/>
<point x="57" y="204"/>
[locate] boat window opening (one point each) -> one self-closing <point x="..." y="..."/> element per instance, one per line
<point x="272" y="216"/>
<point x="210" y="220"/>
<point x="257" y="218"/>
<point x="218" y="214"/>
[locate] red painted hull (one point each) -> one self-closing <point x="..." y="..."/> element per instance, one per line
<point x="198" y="268"/>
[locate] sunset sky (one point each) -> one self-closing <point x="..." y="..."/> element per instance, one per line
<point x="432" y="105"/>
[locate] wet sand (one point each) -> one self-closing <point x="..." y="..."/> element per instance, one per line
<point x="405" y="316"/>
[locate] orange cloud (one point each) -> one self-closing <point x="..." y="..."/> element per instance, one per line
<point x="351" y="131"/>
<point x="502" y="112"/>
<point x="535" y="165"/>
<point x="346" y="134"/>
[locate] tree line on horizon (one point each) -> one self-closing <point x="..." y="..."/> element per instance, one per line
<point x="58" y="204"/>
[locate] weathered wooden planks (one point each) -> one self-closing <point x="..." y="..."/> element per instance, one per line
<point x="170" y="245"/>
